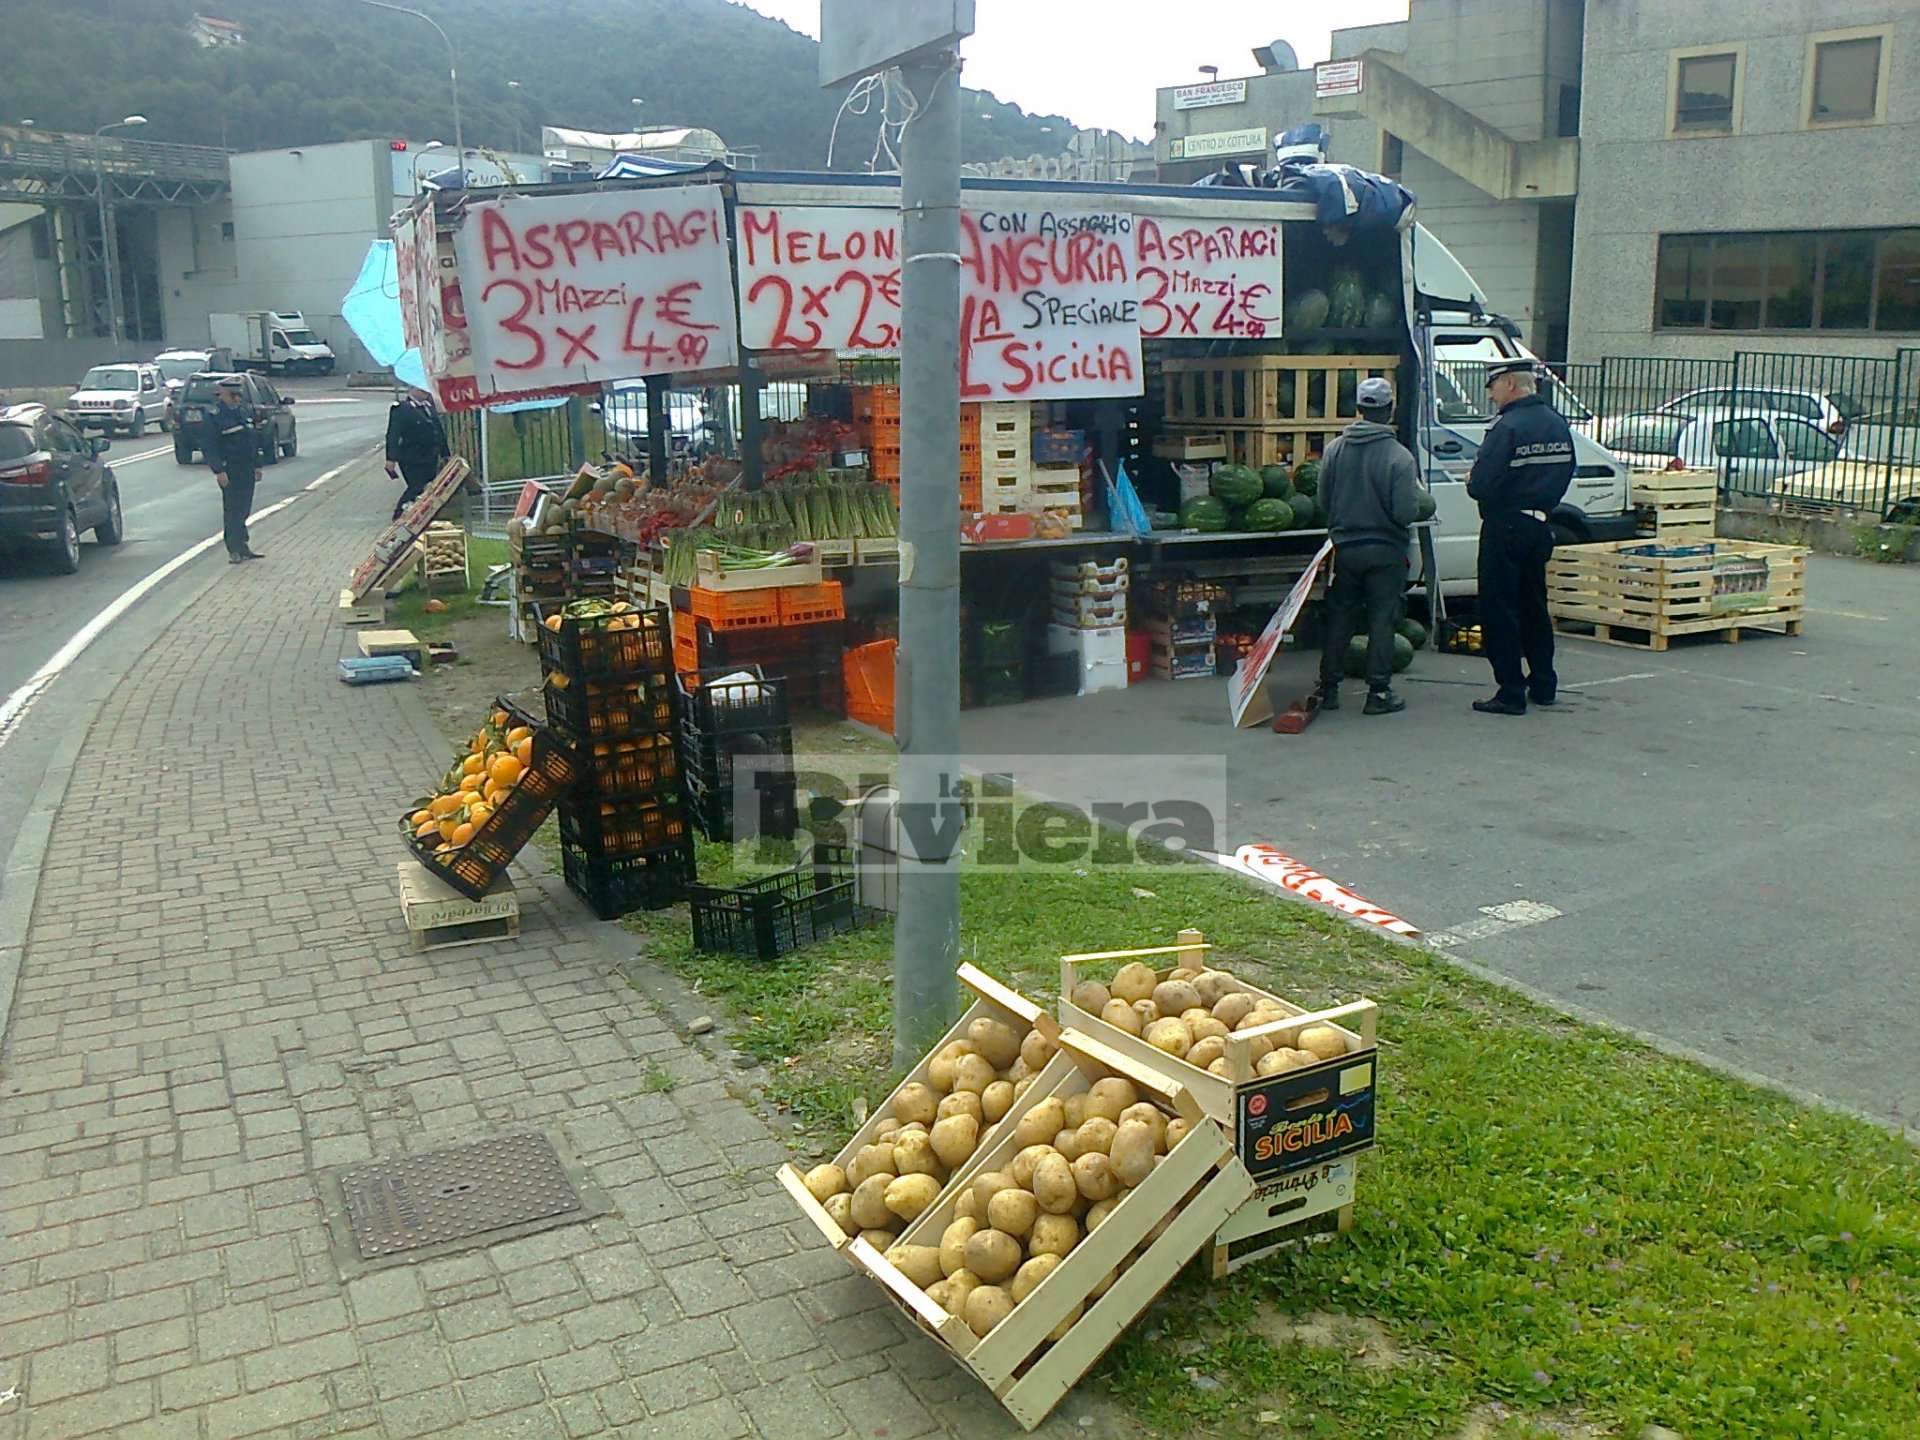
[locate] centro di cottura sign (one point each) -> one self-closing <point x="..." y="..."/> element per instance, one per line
<point x="569" y="290"/>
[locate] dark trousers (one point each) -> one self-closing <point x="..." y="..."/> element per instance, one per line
<point x="1514" y="624"/>
<point x="236" y="503"/>
<point x="1367" y="580"/>
<point x="418" y="474"/>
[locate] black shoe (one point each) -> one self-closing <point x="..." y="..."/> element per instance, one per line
<point x="1500" y="705"/>
<point x="251" y="555"/>
<point x="1543" y="697"/>
<point x="1383" y="702"/>
<point x="1328" y="696"/>
<point x="234" y="557"/>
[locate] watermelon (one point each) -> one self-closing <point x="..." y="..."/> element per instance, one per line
<point x="1383" y="310"/>
<point x="1304" y="508"/>
<point x="1268" y="514"/>
<point x="1402" y="653"/>
<point x="1235" y="484"/>
<point x="1346" y="299"/>
<point x="1204" y="513"/>
<point x="1289" y="384"/>
<point x="1424" y="505"/>
<point x="1357" y="658"/>
<point x="1413" y="631"/>
<point x="1349" y="392"/>
<point x="1275" y="482"/>
<point x="1309" y="310"/>
<point x="1306" y="476"/>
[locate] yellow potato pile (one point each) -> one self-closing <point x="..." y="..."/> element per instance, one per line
<point x="1078" y="1157"/>
<point x="929" y="1130"/>
<point x="1190" y="1013"/>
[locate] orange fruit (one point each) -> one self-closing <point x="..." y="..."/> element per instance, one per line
<point x="461" y="834"/>
<point x="523" y="752"/>
<point x="553" y="623"/>
<point x="505" y="769"/>
<point x="500" y="717"/>
<point x="469" y="784"/>
<point x="517" y="734"/>
<point x="426" y="830"/>
<point x="448" y="824"/>
<point x="420" y="817"/>
<point x="443" y="805"/>
<point x="478" y="815"/>
<point x="471" y="765"/>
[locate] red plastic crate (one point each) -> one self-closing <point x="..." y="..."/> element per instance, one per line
<point x="810" y="604"/>
<point x="868" y="671"/>
<point x="736" y="609"/>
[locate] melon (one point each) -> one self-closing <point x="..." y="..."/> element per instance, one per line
<point x="1275" y="482"/>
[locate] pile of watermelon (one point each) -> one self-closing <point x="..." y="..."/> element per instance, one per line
<point x="1347" y="303"/>
<point x="1268" y="500"/>
<point x="1408" y="636"/>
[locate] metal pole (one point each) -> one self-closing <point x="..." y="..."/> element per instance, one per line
<point x="106" y="240"/>
<point x="453" y="78"/>
<point x="926" y="943"/>
<point x="659" y="430"/>
<point x="753" y="465"/>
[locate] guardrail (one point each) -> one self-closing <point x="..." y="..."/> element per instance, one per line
<point x="56" y="152"/>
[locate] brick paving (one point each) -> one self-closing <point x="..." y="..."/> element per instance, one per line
<point x="218" y="1002"/>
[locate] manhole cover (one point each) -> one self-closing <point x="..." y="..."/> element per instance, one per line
<point x="430" y="1200"/>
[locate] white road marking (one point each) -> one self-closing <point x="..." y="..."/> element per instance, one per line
<point x="1845" y="614"/>
<point x="1616" y="679"/>
<point x="1513" y="915"/>
<point x="143" y="455"/>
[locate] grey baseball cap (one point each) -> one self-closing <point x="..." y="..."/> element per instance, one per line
<point x="1374" y="394"/>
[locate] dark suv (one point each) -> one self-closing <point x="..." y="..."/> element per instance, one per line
<point x="53" y="485"/>
<point x="268" y="411"/>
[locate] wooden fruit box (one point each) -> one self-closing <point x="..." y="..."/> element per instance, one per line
<point x="1271" y="1217"/>
<point x="1265" y="445"/>
<point x="715" y="576"/>
<point x="1661" y="488"/>
<point x="992" y="1001"/>
<point x="1188" y="1196"/>
<point x="1695" y="589"/>
<point x="1253" y="389"/>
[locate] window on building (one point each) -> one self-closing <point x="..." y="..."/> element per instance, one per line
<point x="1795" y="280"/>
<point x="1393" y="154"/>
<point x="1703" y="92"/>
<point x="1568" y="120"/>
<point x="1846" y="79"/>
<point x="226" y="230"/>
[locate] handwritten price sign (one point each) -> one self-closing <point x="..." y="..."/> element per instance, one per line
<point x="566" y="290"/>
<point x="816" y="278"/>
<point x="1208" y="281"/>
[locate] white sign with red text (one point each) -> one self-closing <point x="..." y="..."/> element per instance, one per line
<point x="566" y="290"/>
<point x="1208" y="280"/>
<point x="1263" y="862"/>
<point x="819" y="278"/>
<point x="1253" y="666"/>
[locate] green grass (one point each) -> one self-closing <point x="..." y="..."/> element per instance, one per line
<point x="408" y="610"/>
<point x="1557" y="1220"/>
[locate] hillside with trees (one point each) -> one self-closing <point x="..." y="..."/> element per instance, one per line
<point x="312" y="71"/>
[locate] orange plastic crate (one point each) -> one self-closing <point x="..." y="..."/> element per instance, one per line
<point x="735" y="609"/>
<point x="869" y="675"/>
<point x="873" y="401"/>
<point x="970" y="494"/>
<point x="884" y="462"/>
<point x="810" y="604"/>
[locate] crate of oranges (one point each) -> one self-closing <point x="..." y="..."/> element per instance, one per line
<point x="491" y="800"/>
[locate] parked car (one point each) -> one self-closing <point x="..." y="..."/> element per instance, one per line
<point x="1829" y="411"/>
<point x="53" y="485"/>
<point x="125" y="397"/>
<point x="269" y="412"/>
<point x="176" y="367"/>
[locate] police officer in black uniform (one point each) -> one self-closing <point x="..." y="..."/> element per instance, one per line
<point x="233" y="452"/>
<point x="416" y="445"/>
<point x="1522" y="472"/>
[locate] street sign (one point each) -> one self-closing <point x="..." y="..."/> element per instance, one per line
<point x="1337" y="77"/>
<point x="858" y="37"/>
<point x="1214" y="92"/>
<point x="1218" y="142"/>
<point x="1252" y="669"/>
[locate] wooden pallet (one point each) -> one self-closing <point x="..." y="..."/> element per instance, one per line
<point x="439" y="917"/>
<point x="1245" y="390"/>
<point x="1609" y="585"/>
<point x="1726" y="628"/>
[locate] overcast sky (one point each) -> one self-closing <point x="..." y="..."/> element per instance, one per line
<point x="1098" y="62"/>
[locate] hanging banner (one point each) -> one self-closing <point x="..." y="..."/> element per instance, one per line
<point x="1208" y="281"/>
<point x="1049" y="307"/>
<point x="819" y="278"/>
<point x="1245" y="687"/>
<point x="569" y="290"/>
<point x="1263" y="862"/>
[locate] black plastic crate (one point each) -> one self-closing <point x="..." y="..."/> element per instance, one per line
<point x="634" y="766"/>
<point x="607" y="647"/>
<point x="613" y="888"/>
<point x="475" y="866"/>
<point x="997" y="642"/>
<point x="620" y="829"/>
<point x="776" y="809"/>
<point x="781" y="913"/>
<point x="610" y="709"/>
<point x="718" y="705"/>
<point x="779" y="651"/>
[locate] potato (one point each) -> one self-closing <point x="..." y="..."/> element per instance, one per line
<point x="1205" y="1052"/>
<point x="1208" y="1028"/>
<point x="1171" y="1036"/>
<point x="1019" y="1070"/>
<point x="1176" y="1132"/>
<point x="995" y="1101"/>
<point x="826" y="1181"/>
<point x="961" y="1102"/>
<point x="1036" y="1050"/>
<point x="953" y="1244"/>
<point x="1093" y="1175"/>
<point x="960" y="1284"/>
<point x="954" y="1139"/>
<point x="1122" y="1016"/>
<point x="872" y="1160"/>
<point x="987" y="1184"/>
<point x="1276" y="1063"/>
<point x="839" y="1209"/>
<point x="1099" y="1210"/>
<point x="1104" y="1284"/>
<point x="1022" y="1168"/>
<point x="1012" y="1212"/>
<point x="986" y="1308"/>
<point x="915" y="1102"/>
<point x="1230" y="1009"/>
<point x="1053" y="1184"/>
<point x="888" y="1132"/>
<point x="1067" y="1142"/>
<point x="1148" y="1115"/>
<point x="968" y="1207"/>
<point x="1027" y="1279"/>
<point x="993" y="1255"/>
<point x="1221" y="1068"/>
<point x="1091" y="996"/>
<point x="1071" y="1319"/>
<point x="919" y="1263"/>
<point x="995" y="1041"/>
<point x="1110" y="1096"/>
<point x="1170" y="997"/>
<point x="1258" y="1045"/>
<point x="940" y="1068"/>
<point x="1264" y="1012"/>
<point x="870" y="1202"/>
<point x="1076" y="1109"/>
<point x="1132" y="1152"/>
<point x="1323" y="1040"/>
<point x="937" y="1292"/>
<point x="972" y="1072"/>
<point x="1053" y="1235"/>
<point x="1021" y="1086"/>
<point x="914" y="1155"/>
<point x="1194" y="1014"/>
<point x="1134" y="981"/>
<point x="1147" y="1011"/>
<point x="1094" y="1136"/>
<point x="1214" y="986"/>
<point x="879" y="1238"/>
<point x="1041" y="1123"/>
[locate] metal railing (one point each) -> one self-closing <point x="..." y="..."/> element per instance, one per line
<point x="54" y="152"/>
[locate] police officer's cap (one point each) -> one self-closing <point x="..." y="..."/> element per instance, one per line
<point x="230" y="382"/>
<point x="1509" y="367"/>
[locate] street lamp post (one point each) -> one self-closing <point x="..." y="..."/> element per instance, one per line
<point x="453" y="77"/>
<point x="107" y="246"/>
<point x="424" y="149"/>
<point x="519" y="139"/>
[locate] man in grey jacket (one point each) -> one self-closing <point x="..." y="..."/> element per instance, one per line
<point x="1371" y="494"/>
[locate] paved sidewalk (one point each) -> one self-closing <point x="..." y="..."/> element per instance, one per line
<point x="218" y="1002"/>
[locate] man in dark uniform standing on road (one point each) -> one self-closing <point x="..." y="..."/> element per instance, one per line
<point x="233" y="451"/>
<point x="416" y="445"/>
<point x="1522" y="472"/>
